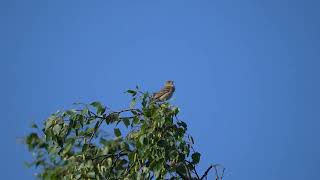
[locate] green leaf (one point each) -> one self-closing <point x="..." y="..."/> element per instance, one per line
<point x="162" y="143"/>
<point x="96" y="104"/>
<point x="153" y="164"/>
<point x="39" y="162"/>
<point x="175" y="111"/>
<point x="181" y="168"/>
<point x="28" y="165"/>
<point x="117" y="132"/>
<point x="143" y="139"/>
<point x="50" y="122"/>
<point x="99" y="107"/>
<point x="132" y="92"/>
<point x="56" y="129"/>
<point x="89" y="131"/>
<point x="32" y="141"/>
<point x="181" y="157"/>
<point x="34" y="126"/>
<point x="124" y="146"/>
<point x="126" y="122"/>
<point x="101" y="110"/>
<point x="131" y="156"/>
<point x="183" y="124"/>
<point x="91" y="174"/>
<point x="134" y="112"/>
<point x="85" y="147"/>
<point x="70" y="112"/>
<point x="112" y="117"/>
<point x="195" y="158"/>
<point x="67" y="148"/>
<point x="133" y="103"/>
<point x="60" y="141"/>
<point x="85" y="111"/>
<point x="144" y="100"/>
<point x="136" y="120"/>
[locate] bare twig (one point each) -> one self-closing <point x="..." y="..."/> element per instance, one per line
<point x="223" y="173"/>
<point x="206" y="172"/>
<point x="216" y="171"/>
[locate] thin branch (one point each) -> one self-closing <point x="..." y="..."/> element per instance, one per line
<point x="216" y="171"/>
<point x="115" y="112"/>
<point x="128" y="169"/>
<point x="109" y="155"/>
<point x="95" y="130"/>
<point x="188" y="171"/>
<point x="194" y="168"/>
<point x="223" y="173"/>
<point x="116" y="159"/>
<point x="182" y="176"/>
<point x="215" y="167"/>
<point x="101" y="118"/>
<point x="128" y="117"/>
<point x="206" y="172"/>
<point x="217" y="175"/>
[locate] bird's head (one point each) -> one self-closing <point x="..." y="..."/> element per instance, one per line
<point x="169" y="83"/>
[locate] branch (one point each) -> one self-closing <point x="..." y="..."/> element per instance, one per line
<point x="101" y="118"/>
<point x="188" y="171"/>
<point x="206" y="173"/>
<point x="215" y="167"/>
<point x="116" y="159"/>
<point x="95" y="130"/>
<point x="182" y="176"/>
<point x="216" y="170"/>
<point x="128" y="169"/>
<point x="194" y="168"/>
<point x="120" y="154"/>
<point x="126" y="110"/>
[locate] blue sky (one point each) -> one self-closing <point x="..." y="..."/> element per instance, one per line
<point x="246" y="72"/>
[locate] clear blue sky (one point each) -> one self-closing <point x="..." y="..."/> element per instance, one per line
<point x="246" y="72"/>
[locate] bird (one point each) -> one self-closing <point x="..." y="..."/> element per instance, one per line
<point x="165" y="93"/>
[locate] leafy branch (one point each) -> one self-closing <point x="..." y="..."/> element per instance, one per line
<point x="149" y="142"/>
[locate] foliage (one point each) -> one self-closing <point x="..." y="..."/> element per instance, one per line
<point x="149" y="142"/>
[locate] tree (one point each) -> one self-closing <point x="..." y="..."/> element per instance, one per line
<point x="152" y="143"/>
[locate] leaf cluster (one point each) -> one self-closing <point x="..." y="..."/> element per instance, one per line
<point x="148" y="142"/>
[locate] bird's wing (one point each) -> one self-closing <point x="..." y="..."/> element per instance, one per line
<point x="165" y="96"/>
<point x="162" y="92"/>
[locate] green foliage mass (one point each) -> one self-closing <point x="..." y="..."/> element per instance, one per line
<point x="147" y="142"/>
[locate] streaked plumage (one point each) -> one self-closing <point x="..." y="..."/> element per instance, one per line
<point x="165" y="93"/>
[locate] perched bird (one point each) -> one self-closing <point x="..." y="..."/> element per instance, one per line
<point x="165" y="93"/>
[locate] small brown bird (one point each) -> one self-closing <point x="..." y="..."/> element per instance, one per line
<point x="165" y="93"/>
